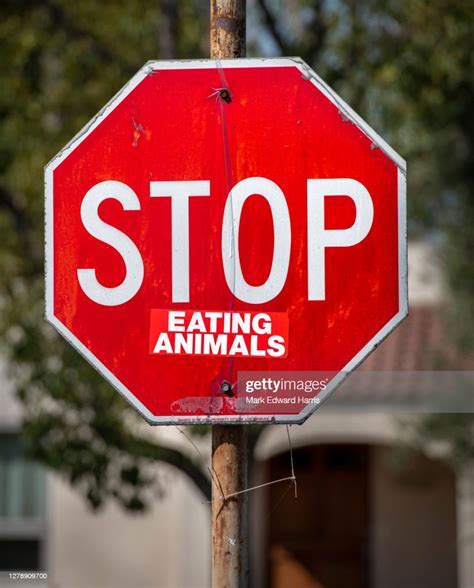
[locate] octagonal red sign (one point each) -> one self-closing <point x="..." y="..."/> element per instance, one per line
<point x="226" y="240"/>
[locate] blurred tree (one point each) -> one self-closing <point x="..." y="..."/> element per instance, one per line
<point x="437" y="73"/>
<point x="405" y="66"/>
<point x="408" y="68"/>
<point x="61" y="62"/>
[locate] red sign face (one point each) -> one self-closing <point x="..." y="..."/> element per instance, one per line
<point x="198" y="242"/>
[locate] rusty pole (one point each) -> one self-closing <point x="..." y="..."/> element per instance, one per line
<point x="229" y="442"/>
<point x="227" y="29"/>
<point x="229" y="517"/>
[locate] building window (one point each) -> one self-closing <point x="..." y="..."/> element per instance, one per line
<point x="22" y="524"/>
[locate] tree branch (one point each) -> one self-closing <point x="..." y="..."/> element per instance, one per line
<point x="9" y="202"/>
<point x="62" y="20"/>
<point x="319" y="27"/>
<point x="168" y="29"/>
<point x="142" y="448"/>
<point x="272" y="27"/>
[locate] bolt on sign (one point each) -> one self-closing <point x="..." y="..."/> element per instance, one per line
<point x="226" y="241"/>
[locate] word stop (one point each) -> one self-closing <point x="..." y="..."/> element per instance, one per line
<point x="318" y="237"/>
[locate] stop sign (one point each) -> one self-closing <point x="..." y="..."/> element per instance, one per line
<point x="226" y="240"/>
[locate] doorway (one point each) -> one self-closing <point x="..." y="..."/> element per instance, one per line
<point x="321" y="539"/>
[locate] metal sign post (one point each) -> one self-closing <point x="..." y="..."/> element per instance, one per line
<point x="229" y="515"/>
<point x="229" y="442"/>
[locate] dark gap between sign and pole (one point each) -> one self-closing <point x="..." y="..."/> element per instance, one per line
<point x="229" y="442"/>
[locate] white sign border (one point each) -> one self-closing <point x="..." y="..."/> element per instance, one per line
<point x="148" y="69"/>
